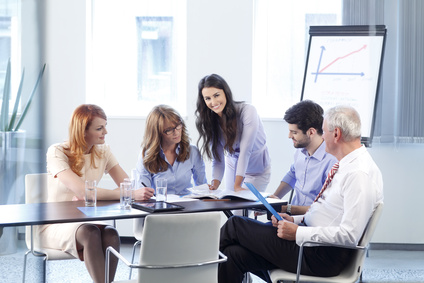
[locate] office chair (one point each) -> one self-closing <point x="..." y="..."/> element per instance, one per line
<point x="138" y="226"/>
<point x="36" y="192"/>
<point x="352" y="271"/>
<point x="181" y="247"/>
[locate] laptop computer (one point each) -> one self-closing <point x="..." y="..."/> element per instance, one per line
<point x="252" y="188"/>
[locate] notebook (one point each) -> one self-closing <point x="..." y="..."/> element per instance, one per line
<point x="263" y="200"/>
<point x="203" y="192"/>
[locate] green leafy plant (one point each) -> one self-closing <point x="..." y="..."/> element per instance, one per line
<point x="7" y="125"/>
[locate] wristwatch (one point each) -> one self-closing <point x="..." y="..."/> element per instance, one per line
<point x="288" y="209"/>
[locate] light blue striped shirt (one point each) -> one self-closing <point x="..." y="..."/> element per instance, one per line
<point x="179" y="176"/>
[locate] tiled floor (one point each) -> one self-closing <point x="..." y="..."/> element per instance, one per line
<point x="380" y="266"/>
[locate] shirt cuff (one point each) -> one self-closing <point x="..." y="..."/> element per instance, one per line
<point x="303" y="234"/>
<point x="289" y="180"/>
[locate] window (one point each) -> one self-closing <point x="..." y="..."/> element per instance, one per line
<point x="5" y="46"/>
<point x="9" y="42"/>
<point x="154" y="58"/>
<point x="281" y="36"/>
<point x="138" y="56"/>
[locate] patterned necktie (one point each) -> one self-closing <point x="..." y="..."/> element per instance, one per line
<point x="330" y="176"/>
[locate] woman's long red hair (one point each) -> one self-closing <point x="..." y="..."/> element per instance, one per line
<point x="80" y="122"/>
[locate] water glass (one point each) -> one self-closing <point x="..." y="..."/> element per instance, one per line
<point x="126" y="195"/>
<point x="161" y="189"/>
<point x="90" y="193"/>
<point x="131" y="183"/>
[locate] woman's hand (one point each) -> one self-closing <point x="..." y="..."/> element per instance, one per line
<point x="237" y="184"/>
<point x="143" y="193"/>
<point x="214" y="184"/>
<point x="239" y="188"/>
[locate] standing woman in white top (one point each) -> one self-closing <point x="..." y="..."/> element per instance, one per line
<point x="84" y="157"/>
<point x="235" y="128"/>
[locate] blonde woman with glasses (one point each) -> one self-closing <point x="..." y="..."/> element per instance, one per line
<point x="167" y="153"/>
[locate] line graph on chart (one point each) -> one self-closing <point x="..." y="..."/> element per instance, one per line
<point x="322" y="71"/>
<point x="344" y="70"/>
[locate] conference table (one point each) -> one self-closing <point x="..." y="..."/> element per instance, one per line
<point x="75" y="211"/>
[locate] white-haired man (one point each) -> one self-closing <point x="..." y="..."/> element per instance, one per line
<point x="339" y="214"/>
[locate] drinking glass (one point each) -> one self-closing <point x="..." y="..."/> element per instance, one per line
<point x="126" y="195"/>
<point x="161" y="189"/>
<point x="90" y="193"/>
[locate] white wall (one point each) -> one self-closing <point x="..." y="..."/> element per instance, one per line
<point x="219" y="40"/>
<point x="65" y="54"/>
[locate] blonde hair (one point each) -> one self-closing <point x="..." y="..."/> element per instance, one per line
<point x="151" y="145"/>
<point x="81" y="120"/>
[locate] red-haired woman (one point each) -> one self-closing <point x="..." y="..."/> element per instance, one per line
<point x="84" y="157"/>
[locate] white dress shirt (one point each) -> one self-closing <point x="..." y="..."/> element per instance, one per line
<point x="342" y="213"/>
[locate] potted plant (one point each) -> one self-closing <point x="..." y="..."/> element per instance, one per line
<point x="12" y="147"/>
<point x="11" y="125"/>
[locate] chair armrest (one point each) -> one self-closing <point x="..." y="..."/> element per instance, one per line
<point x="322" y="244"/>
<point x="222" y="258"/>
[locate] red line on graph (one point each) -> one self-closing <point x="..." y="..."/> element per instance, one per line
<point x="337" y="59"/>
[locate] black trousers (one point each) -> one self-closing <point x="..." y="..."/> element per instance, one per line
<point x="253" y="246"/>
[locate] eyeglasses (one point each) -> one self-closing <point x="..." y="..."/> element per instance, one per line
<point x="170" y="131"/>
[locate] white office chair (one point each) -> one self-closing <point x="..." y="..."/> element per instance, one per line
<point x="138" y="226"/>
<point x="352" y="271"/>
<point x="176" y="248"/>
<point x="36" y="192"/>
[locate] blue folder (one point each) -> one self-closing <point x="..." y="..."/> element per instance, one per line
<point x="263" y="200"/>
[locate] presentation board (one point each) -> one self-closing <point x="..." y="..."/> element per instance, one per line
<point x="343" y="68"/>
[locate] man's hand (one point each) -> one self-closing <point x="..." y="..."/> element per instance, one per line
<point x="287" y="230"/>
<point x="285" y="216"/>
<point x="273" y="196"/>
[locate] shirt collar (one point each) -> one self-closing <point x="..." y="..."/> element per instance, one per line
<point x="177" y="150"/>
<point x="319" y="154"/>
<point x="352" y="156"/>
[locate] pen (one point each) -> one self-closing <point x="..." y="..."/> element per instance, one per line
<point x="146" y="187"/>
<point x="222" y="199"/>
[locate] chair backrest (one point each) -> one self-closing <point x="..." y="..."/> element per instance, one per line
<point x="138" y="227"/>
<point x="372" y="224"/>
<point x="174" y="239"/>
<point x="36" y="188"/>
<point x="352" y="272"/>
<point x="35" y="192"/>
